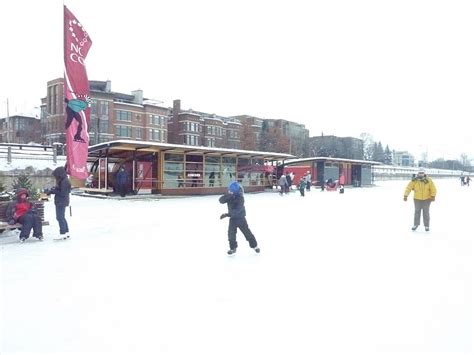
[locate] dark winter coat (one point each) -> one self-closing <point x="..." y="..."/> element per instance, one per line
<point x="62" y="189"/>
<point x="235" y="205"/>
<point x="122" y="178"/>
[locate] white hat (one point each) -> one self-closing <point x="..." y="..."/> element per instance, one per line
<point x="421" y="170"/>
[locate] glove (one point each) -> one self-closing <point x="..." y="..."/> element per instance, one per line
<point x="404" y="198"/>
<point x="224" y="215"/>
<point x="11" y="222"/>
<point x="432" y="199"/>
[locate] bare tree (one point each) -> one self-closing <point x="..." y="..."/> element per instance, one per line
<point x="368" y="142"/>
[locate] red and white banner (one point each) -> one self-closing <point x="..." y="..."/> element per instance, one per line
<point x="76" y="95"/>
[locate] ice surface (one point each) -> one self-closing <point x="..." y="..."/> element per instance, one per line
<point x="338" y="274"/>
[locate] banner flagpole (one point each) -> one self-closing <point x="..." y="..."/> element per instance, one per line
<point x="76" y="95"/>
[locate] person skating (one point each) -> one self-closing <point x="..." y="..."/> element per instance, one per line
<point x="424" y="193"/>
<point x="61" y="199"/>
<point x="24" y="212"/>
<point x="308" y="181"/>
<point x="283" y="182"/>
<point x="236" y="211"/>
<point x="302" y="186"/>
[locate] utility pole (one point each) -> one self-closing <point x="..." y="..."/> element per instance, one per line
<point x="7" y="122"/>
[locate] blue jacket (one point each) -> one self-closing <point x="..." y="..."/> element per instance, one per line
<point x="122" y="177"/>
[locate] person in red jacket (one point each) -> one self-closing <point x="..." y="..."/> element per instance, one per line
<point x="23" y="211"/>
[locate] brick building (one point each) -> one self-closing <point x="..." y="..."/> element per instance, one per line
<point x="202" y="129"/>
<point x="113" y="115"/>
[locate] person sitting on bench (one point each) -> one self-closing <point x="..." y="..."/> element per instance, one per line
<point x="24" y="212"/>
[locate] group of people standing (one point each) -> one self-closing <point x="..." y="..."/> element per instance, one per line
<point x="286" y="181"/>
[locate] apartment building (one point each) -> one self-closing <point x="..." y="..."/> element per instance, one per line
<point x="20" y="129"/>
<point x="203" y="129"/>
<point x="113" y="115"/>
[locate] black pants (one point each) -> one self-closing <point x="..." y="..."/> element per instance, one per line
<point x="240" y="223"/>
<point x="28" y="221"/>
<point x="122" y="189"/>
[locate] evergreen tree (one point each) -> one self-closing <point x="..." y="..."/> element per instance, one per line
<point x="23" y="181"/>
<point x="387" y="156"/>
<point x="4" y="196"/>
<point x="378" y="153"/>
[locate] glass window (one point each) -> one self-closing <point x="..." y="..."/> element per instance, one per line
<point x="104" y="108"/>
<point x="173" y="176"/>
<point x="123" y="131"/>
<point x="196" y="158"/>
<point x="212" y="178"/>
<point x="124" y="116"/>
<point x="173" y="166"/>
<point x="154" y="135"/>
<point x="228" y="160"/>
<point x="243" y="171"/>
<point x="174" y="157"/>
<point x="138" y="133"/>
<point x="213" y="160"/>
<point x="173" y="179"/>
<point x="94" y="107"/>
<point x="104" y="126"/>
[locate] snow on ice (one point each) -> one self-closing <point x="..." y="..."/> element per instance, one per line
<point x="338" y="274"/>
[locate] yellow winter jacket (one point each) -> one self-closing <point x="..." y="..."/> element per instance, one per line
<point x="424" y="189"/>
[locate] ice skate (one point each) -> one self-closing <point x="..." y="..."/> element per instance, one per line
<point x="63" y="236"/>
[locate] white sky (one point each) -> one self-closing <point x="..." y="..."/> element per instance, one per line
<point x="319" y="286"/>
<point x="400" y="70"/>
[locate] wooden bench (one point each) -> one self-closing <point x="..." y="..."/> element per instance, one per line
<point x="4" y="221"/>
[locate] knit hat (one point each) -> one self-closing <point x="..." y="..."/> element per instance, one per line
<point x="234" y="187"/>
<point x="22" y="191"/>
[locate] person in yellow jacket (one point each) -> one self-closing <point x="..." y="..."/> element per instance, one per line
<point x="424" y="193"/>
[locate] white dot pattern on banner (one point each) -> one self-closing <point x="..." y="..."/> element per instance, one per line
<point x="71" y="29"/>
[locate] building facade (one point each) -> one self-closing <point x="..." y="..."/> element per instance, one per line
<point x="403" y="158"/>
<point x="113" y="115"/>
<point x="131" y="116"/>
<point x="20" y="129"/>
<point x="203" y="129"/>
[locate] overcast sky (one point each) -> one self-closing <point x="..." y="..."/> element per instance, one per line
<point x="400" y="70"/>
